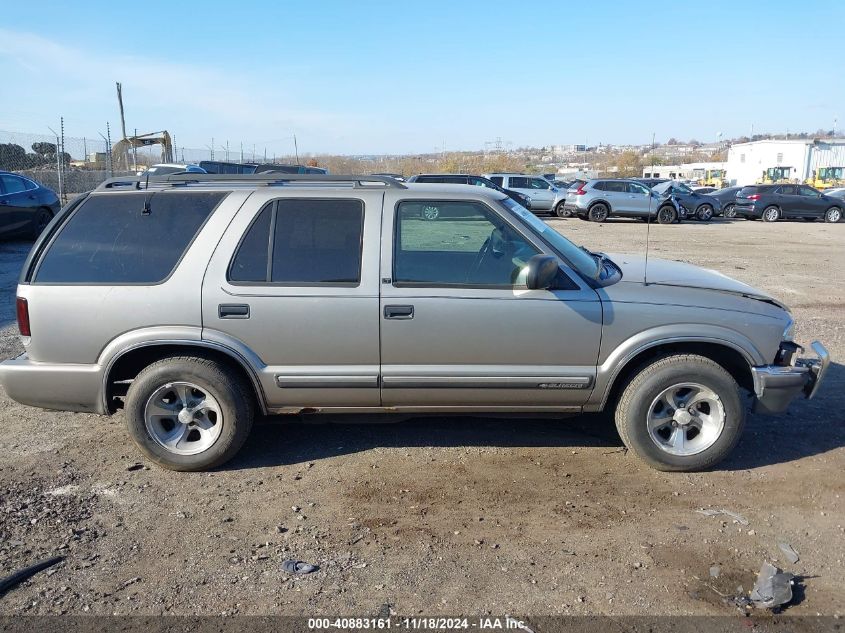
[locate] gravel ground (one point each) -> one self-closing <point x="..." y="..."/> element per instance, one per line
<point x="442" y="515"/>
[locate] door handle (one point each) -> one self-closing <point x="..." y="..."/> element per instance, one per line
<point x="233" y="311"/>
<point x="398" y="312"/>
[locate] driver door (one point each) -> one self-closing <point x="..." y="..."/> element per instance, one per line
<point x="459" y="327"/>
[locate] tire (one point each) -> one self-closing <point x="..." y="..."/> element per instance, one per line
<point x="770" y="214"/>
<point x="704" y="213"/>
<point x="561" y="212"/>
<point x="598" y="212"/>
<point x="40" y="222"/>
<point x="833" y="215"/>
<point x="430" y="212"/>
<point x="681" y="377"/>
<point x="730" y="211"/>
<point x="667" y="214"/>
<point x="216" y="432"/>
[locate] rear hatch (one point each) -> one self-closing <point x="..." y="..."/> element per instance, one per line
<point x="747" y="196"/>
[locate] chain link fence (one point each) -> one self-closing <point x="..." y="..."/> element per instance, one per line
<point x="70" y="165"/>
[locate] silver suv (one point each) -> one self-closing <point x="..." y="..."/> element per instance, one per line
<point x="542" y="194"/>
<point x="194" y="302"/>
<point x="596" y="200"/>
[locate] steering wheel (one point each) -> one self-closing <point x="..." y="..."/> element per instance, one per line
<point x="479" y="259"/>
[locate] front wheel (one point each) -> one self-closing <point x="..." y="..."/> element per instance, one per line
<point x="681" y="413"/>
<point x="834" y="214"/>
<point x="667" y="214"/>
<point x="189" y="413"/>
<point x="704" y="213"/>
<point x="771" y="214"/>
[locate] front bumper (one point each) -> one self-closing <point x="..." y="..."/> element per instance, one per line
<point x="776" y="386"/>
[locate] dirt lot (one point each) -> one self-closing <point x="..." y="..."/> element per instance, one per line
<point x="444" y="515"/>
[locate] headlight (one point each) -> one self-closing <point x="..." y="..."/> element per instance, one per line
<point x="789" y="330"/>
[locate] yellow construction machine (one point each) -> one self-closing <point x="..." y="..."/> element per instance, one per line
<point x="827" y="177"/>
<point x="775" y="176"/>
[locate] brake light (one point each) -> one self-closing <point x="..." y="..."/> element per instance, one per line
<point x="580" y="191"/>
<point x="23" y="317"/>
<point x="755" y="196"/>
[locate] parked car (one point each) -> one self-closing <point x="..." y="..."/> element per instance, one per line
<point x="398" y="177"/>
<point x="543" y="195"/>
<point x="651" y="182"/>
<point x="838" y="192"/>
<point x="698" y="206"/>
<point x="221" y="167"/>
<point x="703" y="190"/>
<point x="478" y="181"/>
<point x="597" y="200"/>
<point x="163" y="169"/>
<point x="777" y="202"/>
<point x="26" y="207"/>
<point x="449" y="317"/>
<point x="727" y="198"/>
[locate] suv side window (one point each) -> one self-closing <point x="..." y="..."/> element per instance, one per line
<point x="126" y="238"/>
<point x="598" y="185"/>
<point x="788" y="190"/>
<point x="807" y="192"/>
<point x="615" y="186"/>
<point x="467" y="245"/>
<point x="519" y="182"/>
<point x="635" y="187"/>
<point x="302" y="242"/>
<point x="479" y="182"/>
<point x="540" y="183"/>
<point x="498" y="180"/>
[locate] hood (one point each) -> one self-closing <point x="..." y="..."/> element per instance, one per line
<point x="667" y="273"/>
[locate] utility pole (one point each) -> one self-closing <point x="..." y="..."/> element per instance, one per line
<point x="296" y="149"/>
<point x="120" y="103"/>
<point x="58" y="162"/>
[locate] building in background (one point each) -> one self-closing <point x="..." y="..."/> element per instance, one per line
<point x="785" y="160"/>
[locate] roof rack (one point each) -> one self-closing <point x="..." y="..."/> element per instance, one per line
<point x="264" y="178"/>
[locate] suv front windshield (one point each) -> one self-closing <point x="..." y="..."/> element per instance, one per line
<point x="586" y="264"/>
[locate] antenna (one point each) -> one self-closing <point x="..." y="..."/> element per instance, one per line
<point x="648" y="217"/>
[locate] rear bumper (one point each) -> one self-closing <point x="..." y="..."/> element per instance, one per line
<point x="53" y="386"/>
<point x="748" y="211"/>
<point x="776" y="386"/>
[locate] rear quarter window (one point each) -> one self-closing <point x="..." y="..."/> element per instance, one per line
<point x="126" y="238"/>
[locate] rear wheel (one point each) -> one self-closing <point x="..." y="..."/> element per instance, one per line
<point x="561" y="212"/>
<point x="42" y="219"/>
<point x="704" y="213"/>
<point x="598" y="212"/>
<point x="771" y="214"/>
<point x="730" y="211"/>
<point x="189" y="413"/>
<point x="681" y="413"/>
<point x="667" y="214"/>
<point x="833" y="214"/>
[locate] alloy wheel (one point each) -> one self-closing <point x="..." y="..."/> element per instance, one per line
<point x="183" y="418"/>
<point x="686" y="419"/>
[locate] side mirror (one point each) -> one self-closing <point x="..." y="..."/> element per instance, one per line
<point x="542" y="272"/>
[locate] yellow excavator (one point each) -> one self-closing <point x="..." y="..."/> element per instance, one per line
<point x="122" y="150"/>
<point x="775" y="176"/>
<point x="827" y="177"/>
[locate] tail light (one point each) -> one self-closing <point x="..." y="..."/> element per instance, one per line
<point x="23" y="317"/>
<point x="580" y="191"/>
<point x="755" y="197"/>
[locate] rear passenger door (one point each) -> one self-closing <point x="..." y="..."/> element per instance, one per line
<point x="616" y="193"/>
<point x="788" y="201"/>
<point x="293" y="283"/>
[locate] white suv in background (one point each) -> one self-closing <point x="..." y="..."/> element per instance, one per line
<point x="543" y="195"/>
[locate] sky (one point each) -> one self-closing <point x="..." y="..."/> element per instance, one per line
<point x="367" y="77"/>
